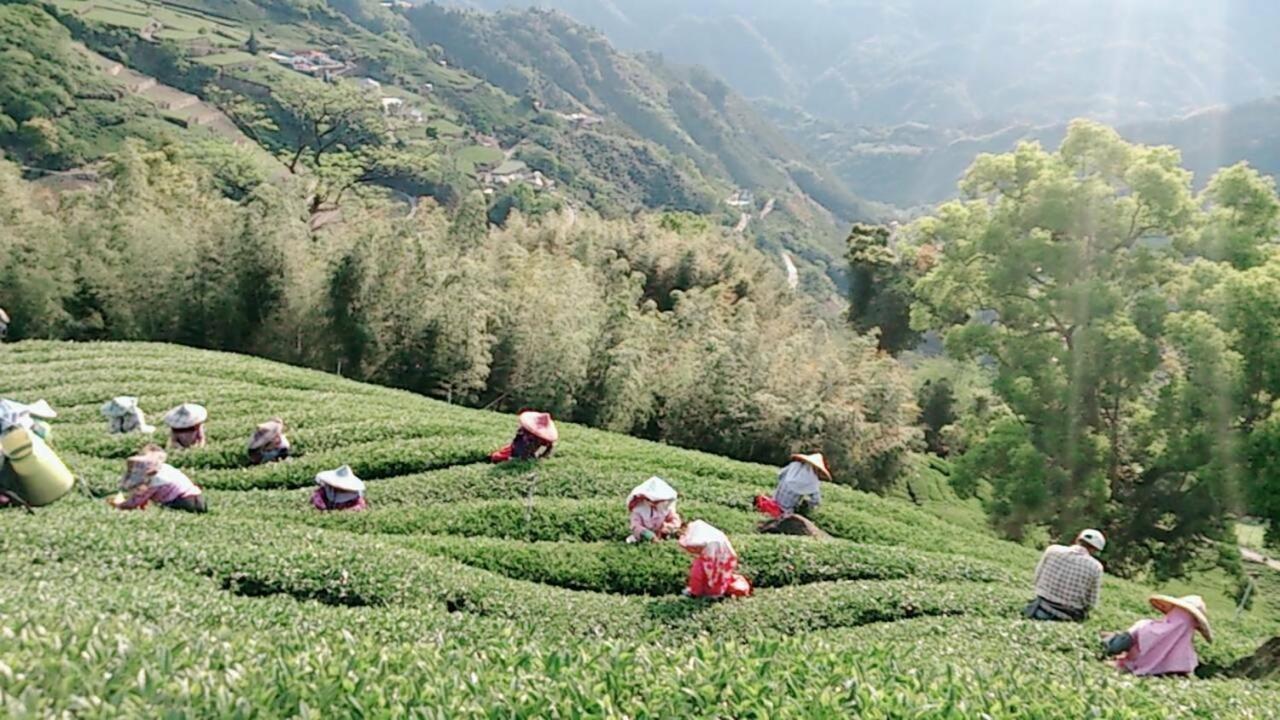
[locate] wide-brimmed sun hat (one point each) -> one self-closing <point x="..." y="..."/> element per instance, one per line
<point x="701" y="534"/>
<point x="41" y="409"/>
<point x="816" y="461"/>
<point x="1094" y="539"/>
<point x="119" y="406"/>
<point x="266" y="433"/>
<point x="655" y="489"/>
<point x="540" y="424"/>
<point x="1193" y="604"/>
<point x="342" y="479"/>
<point x="142" y="466"/>
<point x="14" y="413"/>
<point x="185" y="416"/>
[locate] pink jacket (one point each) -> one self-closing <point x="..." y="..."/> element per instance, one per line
<point x="167" y="485"/>
<point x="1163" y="646"/>
<point x="654" y="517"/>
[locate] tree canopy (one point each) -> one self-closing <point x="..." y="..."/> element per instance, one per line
<point x="1098" y="286"/>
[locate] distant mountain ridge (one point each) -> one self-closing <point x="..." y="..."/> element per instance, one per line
<point x="917" y="165"/>
<point x="943" y="62"/>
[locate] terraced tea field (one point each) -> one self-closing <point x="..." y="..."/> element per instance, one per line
<point x="470" y="590"/>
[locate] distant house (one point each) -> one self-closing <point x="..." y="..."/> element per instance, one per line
<point x="741" y="199"/>
<point x="416" y="115"/>
<point x="488" y="141"/>
<point x="515" y="171"/>
<point x="312" y="62"/>
<point x="426" y="88"/>
<point x="582" y="120"/>
<point x="392" y="105"/>
<point x="368" y="83"/>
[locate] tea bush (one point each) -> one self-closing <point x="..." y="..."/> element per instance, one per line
<point x="472" y="590"/>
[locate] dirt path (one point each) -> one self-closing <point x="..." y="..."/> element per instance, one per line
<point x="1256" y="557"/>
<point x="768" y="208"/>
<point x="742" y="223"/>
<point x="793" y="275"/>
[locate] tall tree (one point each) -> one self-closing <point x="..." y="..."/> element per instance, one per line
<point x="1059" y="270"/>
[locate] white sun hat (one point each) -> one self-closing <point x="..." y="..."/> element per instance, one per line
<point x="13" y="414"/>
<point x="120" y="406"/>
<point x="1094" y="538"/>
<point x="342" y="479"/>
<point x="701" y="534"/>
<point x="655" y="489"/>
<point x="186" y="415"/>
<point x="39" y="409"/>
<point x="123" y="406"/>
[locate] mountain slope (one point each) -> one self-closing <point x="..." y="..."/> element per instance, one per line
<point x="946" y="63"/>
<point x="567" y="68"/>
<point x="464" y="578"/>
<point x="915" y="165"/>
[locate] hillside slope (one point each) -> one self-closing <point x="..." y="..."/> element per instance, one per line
<point x="569" y="68"/>
<point x="474" y="590"/>
<point x="946" y="63"/>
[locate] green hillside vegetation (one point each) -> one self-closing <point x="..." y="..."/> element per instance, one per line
<point x="547" y="58"/>
<point x="57" y="110"/>
<point x="673" y="139"/>
<point x="660" y="326"/>
<point x="469" y="587"/>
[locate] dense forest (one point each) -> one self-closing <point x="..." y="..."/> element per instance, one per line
<point x="657" y="326"/>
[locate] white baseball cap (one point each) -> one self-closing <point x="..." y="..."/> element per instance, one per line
<point x="1094" y="539"/>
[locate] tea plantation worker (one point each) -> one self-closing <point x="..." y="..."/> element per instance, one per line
<point x="1068" y="579"/>
<point x="268" y="443"/>
<point x="713" y="573"/>
<point x="653" y="511"/>
<point x="535" y="438"/>
<point x="798" y="487"/>
<point x="124" y="416"/>
<point x="33" y="417"/>
<point x="1165" y="646"/>
<point x="148" y="478"/>
<point x="4" y="324"/>
<point x="186" y="426"/>
<point x="339" y="490"/>
<point x="31" y="473"/>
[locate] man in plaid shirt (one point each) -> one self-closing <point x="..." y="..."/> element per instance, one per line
<point x="1068" y="579"/>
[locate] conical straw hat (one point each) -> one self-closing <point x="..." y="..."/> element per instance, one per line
<point x="540" y="424"/>
<point x="1193" y="604"/>
<point x="817" y="461"/>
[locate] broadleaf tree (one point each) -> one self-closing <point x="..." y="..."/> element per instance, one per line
<point x="1062" y="270"/>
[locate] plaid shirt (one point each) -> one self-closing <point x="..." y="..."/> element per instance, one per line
<point x="1069" y="576"/>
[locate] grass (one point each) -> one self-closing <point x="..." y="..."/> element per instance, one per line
<point x="1251" y="535"/>
<point x="471" y="157"/>
<point x="232" y="57"/>
<point x="121" y="18"/>
<point x="470" y="590"/>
